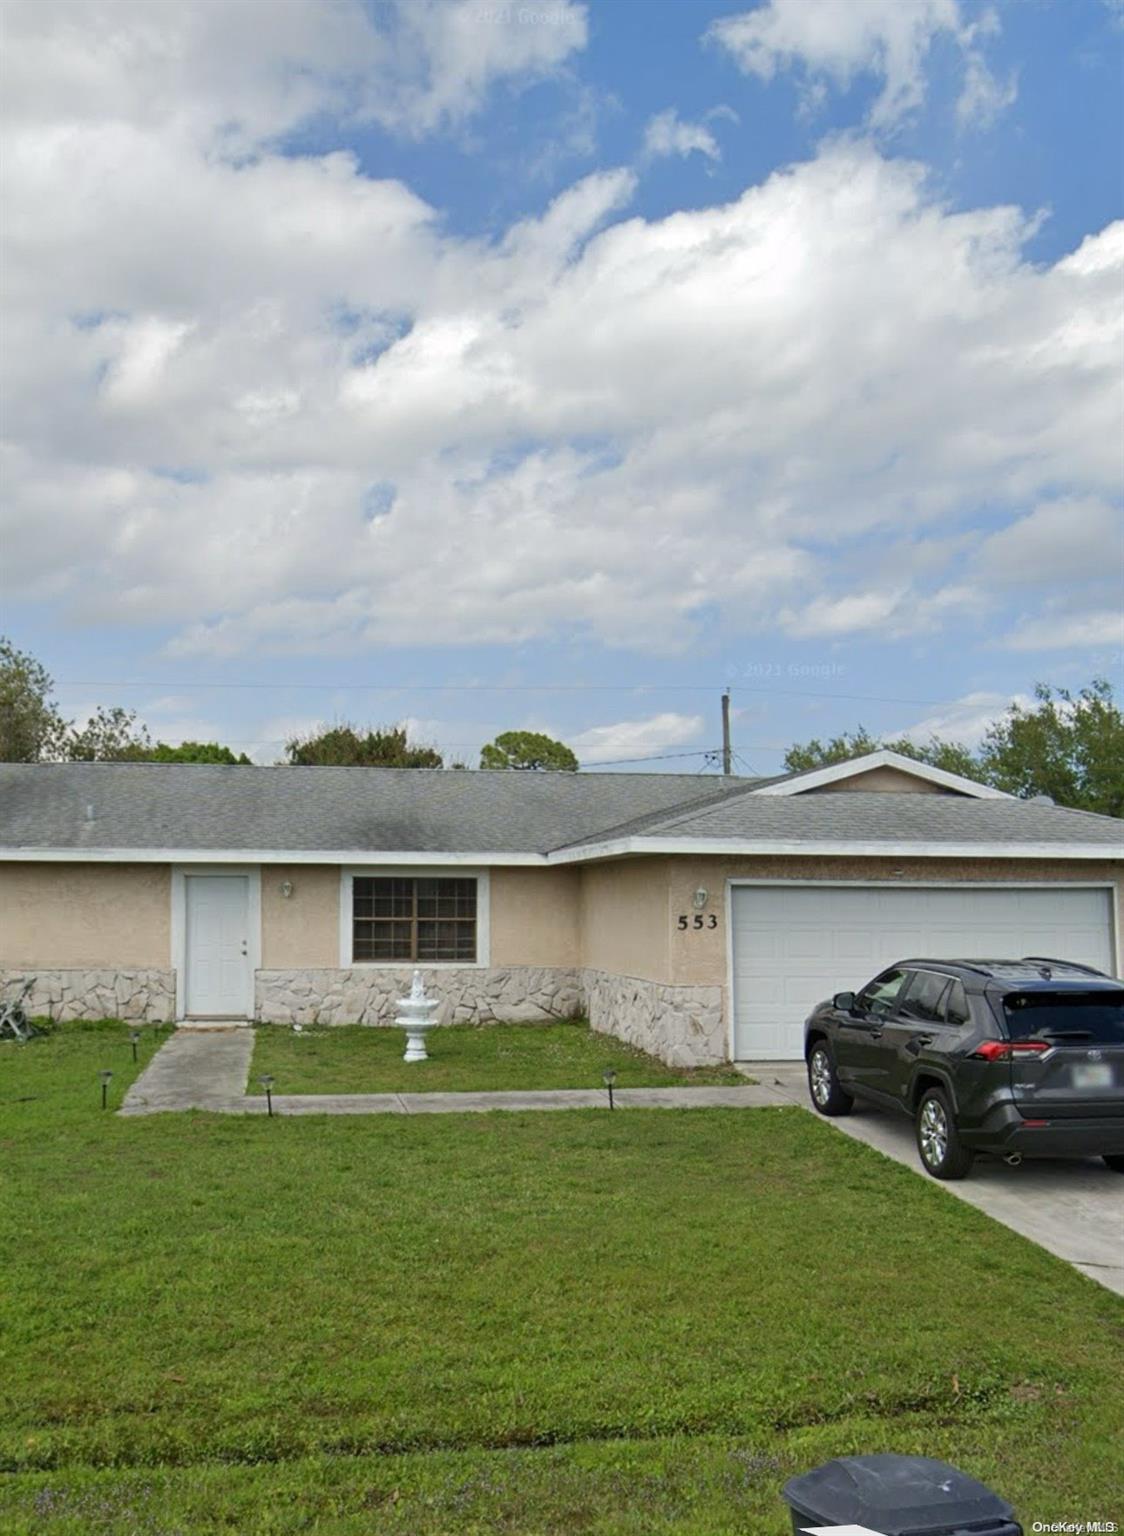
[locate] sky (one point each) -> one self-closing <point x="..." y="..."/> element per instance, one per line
<point x="552" y="366"/>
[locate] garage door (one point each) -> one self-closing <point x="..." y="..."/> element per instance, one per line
<point x="794" y="945"/>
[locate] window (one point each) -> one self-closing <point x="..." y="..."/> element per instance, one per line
<point x="924" y="998"/>
<point x="1086" y="1018"/>
<point x="957" y="1009"/>
<point x="408" y="919"/>
<point x="882" y="994"/>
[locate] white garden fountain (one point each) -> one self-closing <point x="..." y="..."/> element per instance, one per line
<point x="416" y="1017"/>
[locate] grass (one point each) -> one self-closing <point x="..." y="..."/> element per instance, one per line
<point x="622" y="1325"/>
<point x="463" y="1057"/>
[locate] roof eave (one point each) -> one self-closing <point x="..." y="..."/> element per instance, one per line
<point x="433" y="857"/>
<point x="832" y="847"/>
<point x="582" y="853"/>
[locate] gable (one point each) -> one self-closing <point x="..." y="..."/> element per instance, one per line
<point x="883" y="781"/>
<point x="907" y="775"/>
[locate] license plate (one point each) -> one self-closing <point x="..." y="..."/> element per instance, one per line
<point x="1092" y="1074"/>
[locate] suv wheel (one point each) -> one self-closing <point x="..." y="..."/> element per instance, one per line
<point x="938" y="1140"/>
<point x="1115" y="1161"/>
<point x="823" y="1085"/>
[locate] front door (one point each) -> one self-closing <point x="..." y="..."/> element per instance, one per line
<point x="219" y="983"/>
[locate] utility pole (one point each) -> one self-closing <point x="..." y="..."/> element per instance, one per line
<point x="727" y="755"/>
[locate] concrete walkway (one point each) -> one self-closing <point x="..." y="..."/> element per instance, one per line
<point x="208" y="1069"/>
<point x="193" y="1069"/>
<point x="1073" y="1207"/>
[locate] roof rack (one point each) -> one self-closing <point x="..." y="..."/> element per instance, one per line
<point x="980" y="967"/>
<point x="1066" y="965"/>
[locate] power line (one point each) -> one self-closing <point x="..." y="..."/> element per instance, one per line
<point x="711" y="687"/>
<point x="664" y="757"/>
<point x="471" y="746"/>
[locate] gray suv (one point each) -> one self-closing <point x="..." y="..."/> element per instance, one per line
<point x="1020" y="1058"/>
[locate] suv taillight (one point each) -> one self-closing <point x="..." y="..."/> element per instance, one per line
<point x="1008" y="1050"/>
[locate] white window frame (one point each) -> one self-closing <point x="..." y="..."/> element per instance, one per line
<point x="180" y="875"/>
<point x="482" y="877"/>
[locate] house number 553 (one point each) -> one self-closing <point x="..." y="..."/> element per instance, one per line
<point x="700" y="920"/>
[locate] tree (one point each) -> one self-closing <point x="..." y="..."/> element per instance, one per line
<point x="33" y="731"/>
<point x="840" y="749"/>
<point x="109" y="736"/>
<point x="30" y="725"/>
<point x="528" y="749"/>
<point x="344" y="746"/>
<point x="1071" y="749"/>
<point x="952" y="756"/>
<point x="195" y="752"/>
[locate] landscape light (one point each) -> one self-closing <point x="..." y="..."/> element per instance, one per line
<point x="267" y="1084"/>
<point x="609" y="1077"/>
<point x="105" y="1074"/>
<point x="134" y="1036"/>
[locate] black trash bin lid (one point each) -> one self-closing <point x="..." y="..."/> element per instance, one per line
<point x="896" y="1496"/>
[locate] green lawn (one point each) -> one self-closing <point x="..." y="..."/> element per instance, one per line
<point x="626" y="1325"/>
<point x="463" y="1057"/>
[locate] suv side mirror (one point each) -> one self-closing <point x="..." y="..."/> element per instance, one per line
<point x="844" y="1001"/>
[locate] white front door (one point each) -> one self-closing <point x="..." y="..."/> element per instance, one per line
<point x="219" y="978"/>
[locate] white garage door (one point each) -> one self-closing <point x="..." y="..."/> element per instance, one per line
<point x="795" y="945"/>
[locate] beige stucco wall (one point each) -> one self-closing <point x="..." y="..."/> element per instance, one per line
<point x="883" y="781"/>
<point x="59" y="915"/>
<point x="619" y="917"/>
<point x="301" y="929"/>
<point x="624" y="918"/>
<point x="700" y="956"/>
<point x="535" y="916"/>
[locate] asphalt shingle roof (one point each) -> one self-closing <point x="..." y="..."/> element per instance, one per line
<point x="90" y="806"/>
<point x="193" y="805"/>
<point x="868" y="817"/>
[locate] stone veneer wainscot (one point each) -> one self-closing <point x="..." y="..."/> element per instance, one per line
<point x="684" y="1026"/>
<point x="498" y="995"/>
<point x="139" y="996"/>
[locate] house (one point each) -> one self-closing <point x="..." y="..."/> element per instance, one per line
<point x="697" y="917"/>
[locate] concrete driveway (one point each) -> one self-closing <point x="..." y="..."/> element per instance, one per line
<point x="1074" y="1208"/>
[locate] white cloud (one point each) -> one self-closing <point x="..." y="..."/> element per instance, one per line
<point x="296" y="413"/>
<point x="893" y="611"/>
<point x="967" y="719"/>
<point x="215" y="75"/>
<point x="632" y="739"/>
<point x="1057" y="631"/>
<point x="668" y="134"/>
<point x="983" y="96"/>
<point x="1074" y="539"/>
<point x="449" y="53"/>
<point x="837" y="40"/>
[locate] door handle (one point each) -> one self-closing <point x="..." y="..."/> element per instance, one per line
<point x="922" y="1039"/>
<point x="876" y="1034"/>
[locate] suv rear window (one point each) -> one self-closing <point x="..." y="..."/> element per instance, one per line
<point x="1096" y="1016"/>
